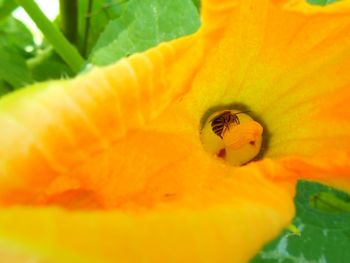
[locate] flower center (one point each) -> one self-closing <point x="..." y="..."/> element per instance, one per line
<point x="232" y="135"/>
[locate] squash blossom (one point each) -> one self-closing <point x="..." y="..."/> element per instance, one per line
<point x="187" y="152"/>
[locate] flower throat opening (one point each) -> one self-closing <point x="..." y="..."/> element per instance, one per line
<point x="232" y="135"/>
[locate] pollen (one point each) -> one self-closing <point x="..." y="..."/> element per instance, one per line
<point x="232" y="135"/>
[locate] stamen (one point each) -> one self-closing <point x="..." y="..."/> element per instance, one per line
<point x="233" y="136"/>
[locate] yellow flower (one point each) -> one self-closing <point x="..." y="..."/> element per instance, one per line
<point x="110" y="166"/>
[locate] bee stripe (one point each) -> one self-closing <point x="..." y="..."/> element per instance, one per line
<point x="222" y="122"/>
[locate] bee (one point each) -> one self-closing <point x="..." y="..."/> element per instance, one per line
<point x="221" y="123"/>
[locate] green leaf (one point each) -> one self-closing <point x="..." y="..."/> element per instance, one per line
<point x="13" y="68"/>
<point x="330" y="202"/>
<point x="92" y="23"/>
<point x="14" y="34"/>
<point x="4" y="88"/>
<point x="197" y="3"/>
<point x="143" y="25"/>
<point x="48" y="65"/>
<point x="6" y="8"/>
<point x="15" y="38"/>
<point x="321" y="2"/>
<point x="325" y="233"/>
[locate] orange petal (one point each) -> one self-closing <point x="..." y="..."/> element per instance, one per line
<point x="125" y="138"/>
<point x="171" y="201"/>
<point x="50" y="128"/>
<point x="331" y="168"/>
<point x="298" y="66"/>
<point x="228" y="221"/>
<point x="214" y="14"/>
<point x="257" y="56"/>
<point x="309" y="115"/>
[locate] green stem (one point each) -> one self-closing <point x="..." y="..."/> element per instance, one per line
<point x="39" y="58"/>
<point x="62" y="46"/>
<point x="69" y="19"/>
<point x="87" y="27"/>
